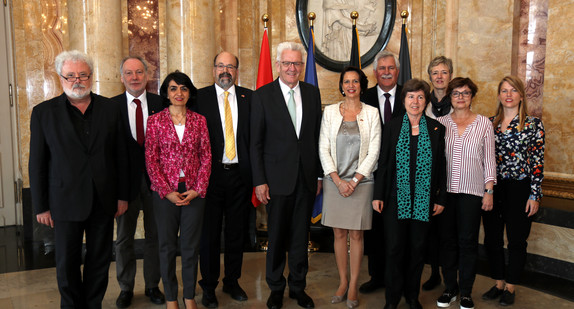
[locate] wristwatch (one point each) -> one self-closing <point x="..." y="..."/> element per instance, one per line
<point x="489" y="191"/>
<point x="355" y="180"/>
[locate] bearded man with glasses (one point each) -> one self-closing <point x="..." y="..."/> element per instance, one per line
<point x="79" y="179"/>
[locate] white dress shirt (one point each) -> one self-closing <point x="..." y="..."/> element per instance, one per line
<point x="392" y="99"/>
<point x="298" y="103"/>
<point x="232" y="98"/>
<point x="132" y="112"/>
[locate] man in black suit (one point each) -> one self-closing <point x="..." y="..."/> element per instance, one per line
<point x="386" y="97"/>
<point x="79" y="179"/>
<point x="136" y="104"/>
<point x="226" y="108"/>
<point x="285" y="123"/>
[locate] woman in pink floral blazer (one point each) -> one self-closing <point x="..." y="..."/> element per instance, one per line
<point x="178" y="159"/>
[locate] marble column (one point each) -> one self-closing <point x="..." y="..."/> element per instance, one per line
<point x="529" y="49"/>
<point x="95" y="28"/>
<point x="190" y="39"/>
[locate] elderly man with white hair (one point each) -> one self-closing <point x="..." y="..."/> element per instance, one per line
<point x="285" y="123"/>
<point x="79" y="179"/>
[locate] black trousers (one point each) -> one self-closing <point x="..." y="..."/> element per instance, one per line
<point x="125" y="252"/>
<point x="510" y="197"/>
<point x="375" y="248"/>
<point x="459" y="226"/>
<point x="187" y="220"/>
<point x="405" y="244"/>
<point x="289" y="218"/>
<point x="228" y="199"/>
<point x="85" y="290"/>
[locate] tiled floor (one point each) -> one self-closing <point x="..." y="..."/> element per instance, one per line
<point x="38" y="289"/>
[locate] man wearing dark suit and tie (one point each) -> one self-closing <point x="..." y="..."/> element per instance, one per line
<point x="386" y="97"/>
<point x="285" y="123"/>
<point x="136" y="104"/>
<point x="226" y="108"/>
<point x="79" y="179"/>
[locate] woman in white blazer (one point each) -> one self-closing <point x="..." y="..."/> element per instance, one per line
<point x="349" y="147"/>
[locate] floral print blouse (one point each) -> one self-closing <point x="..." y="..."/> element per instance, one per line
<point x="166" y="156"/>
<point x="520" y="154"/>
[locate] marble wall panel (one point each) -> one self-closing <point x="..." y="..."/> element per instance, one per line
<point x="484" y="48"/>
<point x="547" y="240"/>
<point x="558" y="106"/>
<point x="143" y="31"/>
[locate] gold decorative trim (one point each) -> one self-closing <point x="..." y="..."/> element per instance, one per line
<point x="558" y="187"/>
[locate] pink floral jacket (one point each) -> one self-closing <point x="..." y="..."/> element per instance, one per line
<point x="166" y="156"/>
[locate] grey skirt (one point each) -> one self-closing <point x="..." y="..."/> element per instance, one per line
<point x="351" y="213"/>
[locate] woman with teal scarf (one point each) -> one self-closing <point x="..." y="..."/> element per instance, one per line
<point x="410" y="187"/>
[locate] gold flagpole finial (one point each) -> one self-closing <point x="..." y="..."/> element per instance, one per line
<point x="265" y="19"/>
<point x="404" y="16"/>
<point x="354" y="16"/>
<point x="311" y="17"/>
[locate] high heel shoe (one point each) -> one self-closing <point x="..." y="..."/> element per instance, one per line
<point x="335" y="299"/>
<point x="351" y="304"/>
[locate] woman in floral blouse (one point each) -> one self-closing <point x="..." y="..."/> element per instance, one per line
<point x="519" y="141"/>
<point x="178" y="159"/>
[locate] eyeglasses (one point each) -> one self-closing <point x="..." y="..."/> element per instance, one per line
<point x="82" y="77"/>
<point x="465" y="94"/>
<point x="222" y="67"/>
<point x="287" y="64"/>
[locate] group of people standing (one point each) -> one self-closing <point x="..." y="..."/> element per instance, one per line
<point x="441" y="167"/>
<point x="397" y="172"/>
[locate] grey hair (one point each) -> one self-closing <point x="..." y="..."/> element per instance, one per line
<point x="385" y="54"/>
<point x="440" y="60"/>
<point x="74" y="56"/>
<point x="132" y="57"/>
<point x="294" y="46"/>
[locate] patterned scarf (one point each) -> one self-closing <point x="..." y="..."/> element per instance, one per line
<point x="420" y="210"/>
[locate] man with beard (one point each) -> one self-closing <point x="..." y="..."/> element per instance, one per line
<point x="226" y="108"/>
<point x="136" y="104"/>
<point x="386" y="97"/>
<point x="79" y="179"/>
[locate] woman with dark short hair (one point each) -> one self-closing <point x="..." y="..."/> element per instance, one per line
<point x="349" y="146"/>
<point x="410" y="188"/>
<point x="471" y="175"/>
<point x="178" y="160"/>
<point x="519" y="140"/>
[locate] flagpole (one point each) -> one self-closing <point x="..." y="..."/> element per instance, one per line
<point x="404" y="16"/>
<point x="311" y="246"/>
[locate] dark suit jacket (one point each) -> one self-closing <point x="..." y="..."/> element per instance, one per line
<point x="207" y="105"/>
<point x="371" y="97"/>
<point x="387" y="162"/>
<point x="136" y="153"/>
<point x="276" y="152"/>
<point x="64" y="173"/>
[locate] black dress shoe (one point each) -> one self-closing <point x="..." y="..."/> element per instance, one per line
<point x="507" y="298"/>
<point x="275" y="300"/>
<point x="235" y="291"/>
<point x="155" y="296"/>
<point x="432" y="283"/>
<point x="208" y="299"/>
<point x="125" y="299"/>
<point x="390" y="306"/>
<point x="371" y="286"/>
<point x="414" y="304"/>
<point x="303" y="300"/>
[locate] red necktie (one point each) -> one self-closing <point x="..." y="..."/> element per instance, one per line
<point x="388" y="111"/>
<point x="139" y="122"/>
